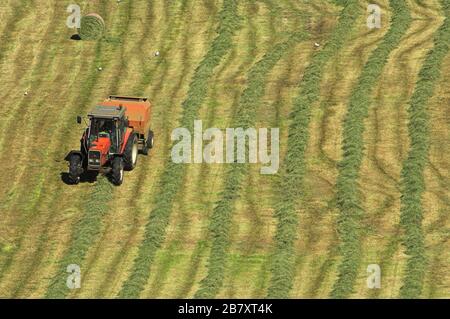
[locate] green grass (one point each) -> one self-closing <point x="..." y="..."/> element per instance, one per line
<point x="190" y="230"/>
<point x="172" y="176"/>
<point x="412" y="176"/>
<point x="31" y="200"/>
<point x="39" y="190"/>
<point x="84" y="234"/>
<point x="174" y="27"/>
<point x="293" y="166"/>
<point x="7" y="37"/>
<point x="224" y="208"/>
<point x="348" y="191"/>
<point x="95" y="206"/>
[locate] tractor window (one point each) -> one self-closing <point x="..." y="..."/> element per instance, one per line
<point x="100" y="128"/>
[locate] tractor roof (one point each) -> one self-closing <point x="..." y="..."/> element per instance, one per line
<point x="109" y="112"/>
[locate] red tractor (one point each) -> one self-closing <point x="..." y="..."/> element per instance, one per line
<point x="118" y="129"/>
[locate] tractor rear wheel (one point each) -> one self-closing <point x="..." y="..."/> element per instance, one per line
<point x="131" y="152"/>
<point x="75" y="168"/>
<point x="148" y="143"/>
<point x="117" y="171"/>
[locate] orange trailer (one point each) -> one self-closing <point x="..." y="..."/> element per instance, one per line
<point x="137" y="110"/>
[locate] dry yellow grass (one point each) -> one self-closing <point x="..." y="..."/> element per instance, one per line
<point x="437" y="197"/>
<point x="39" y="211"/>
<point x="387" y="144"/>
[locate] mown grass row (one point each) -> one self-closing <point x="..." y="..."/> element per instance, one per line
<point x="31" y="200"/>
<point x="171" y="36"/>
<point x="89" y="84"/>
<point x="84" y="233"/>
<point x="293" y="167"/>
<point x="249" y="48"/>
<point x="172" y="176"/>
<point x="170" y="261"/>
<point x="121" y="29"/>
<point x="188" y="44"/>
<point x="412" y="175"/>
<point x="95" y="206"/>
<point x="222" y="214"/>
<point x="237" y="265"/>
<point x="41" y="192"/>
<point x="8" y="35"/>
<point x="10" y="202"/>
<point x="348" y="191"/>
<point x="88" y="226"/>
<point x="409" y="48"/>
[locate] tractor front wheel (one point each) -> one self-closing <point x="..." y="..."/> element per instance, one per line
<point x="75" y="169"/>
<point x="117" y="171"/>
<point x="131" y="152"/>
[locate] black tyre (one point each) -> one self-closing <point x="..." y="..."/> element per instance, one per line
<point x="148" y="143"/>
<point x="131" y="153"/>
<point x="75" y="168"/>
<point x="117" y="171"/>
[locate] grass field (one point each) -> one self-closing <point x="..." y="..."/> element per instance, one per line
<point x="364" y="138"/>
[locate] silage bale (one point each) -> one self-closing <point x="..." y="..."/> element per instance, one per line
<point x="92" y="27"/>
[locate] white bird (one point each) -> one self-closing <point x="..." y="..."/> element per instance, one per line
<point x="25" y="93"/>
<point x="100" y="68"/>
<point x="316" y="45"/>
<point x="157" y="53"/>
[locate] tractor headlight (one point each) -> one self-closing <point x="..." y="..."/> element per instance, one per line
<point x="94" y="157"/>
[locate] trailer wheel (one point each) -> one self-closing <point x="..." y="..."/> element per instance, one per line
<point x="131" y="152"/>
<point x="75" y="168"/>
<point x="117" y="171"/>
<point x="148" y="143"/>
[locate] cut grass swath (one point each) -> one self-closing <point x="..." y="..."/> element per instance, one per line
<point x="348" y="192"/>
<point x="171" y="178"/>
<point x="10" y="123"/>
<point x="92" y="27"/>
<point x="250" y="46"/>
<point x="293" y="169"/>
<point x="84" y="233"/>
<point x="40" y="189"/>
<point x="412" y="176"/>
<point x="9" y="30"/>
<point x="32" y="205"/>
<point x="223" y="210"/>
<point x="160" y="274"/>
<point x="97" y="205"/>
<point x="173" y="28"/>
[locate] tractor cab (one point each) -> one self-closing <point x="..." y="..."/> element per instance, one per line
<point x="107" y="126"/>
